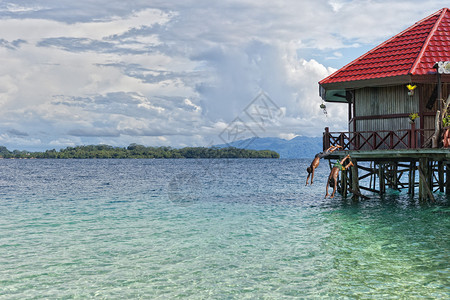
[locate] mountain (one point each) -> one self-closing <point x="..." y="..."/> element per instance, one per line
<point x="298" y="147"/>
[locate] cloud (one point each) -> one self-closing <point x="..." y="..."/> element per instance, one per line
<point x="17" y="132"/>
<point x="178" y="72"/>
<point x="13" y="45"/>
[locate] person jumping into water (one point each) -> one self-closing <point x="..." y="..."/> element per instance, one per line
<point x="338" y="166"/>
<point x="315" y="162"/>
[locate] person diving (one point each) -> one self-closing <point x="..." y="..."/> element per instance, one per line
<point x="332" y="178"/>
<point x="316" y="160"/>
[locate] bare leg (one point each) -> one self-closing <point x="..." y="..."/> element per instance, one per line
<point x="344" y="159"/>
<point x="333" y="148"/>
<point x="446" y="138"/>
<point x="328" y="184"/>
<point x="334" y="187"/>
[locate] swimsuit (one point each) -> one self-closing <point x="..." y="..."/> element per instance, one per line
<point x="339" y="165"/>
<point x="323" y="154"/>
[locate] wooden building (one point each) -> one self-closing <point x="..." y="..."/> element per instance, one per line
<point x="374" y="86"/>
<point x="406" y="76"/>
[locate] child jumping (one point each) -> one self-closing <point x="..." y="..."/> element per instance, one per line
<point x="315" y="162"/>
<point x="338" y="166"/>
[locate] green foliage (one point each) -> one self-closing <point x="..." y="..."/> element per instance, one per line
<point x="139" y="151"/>
<point x="446" y="121"/>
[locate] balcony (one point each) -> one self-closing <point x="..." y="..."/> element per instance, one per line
<point x="411" y="138"/>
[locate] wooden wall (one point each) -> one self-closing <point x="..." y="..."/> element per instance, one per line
<point x="374" y="105"/>
<point x="387" y="108"/>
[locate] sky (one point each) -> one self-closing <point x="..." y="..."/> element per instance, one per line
<point x="180" y="72"/>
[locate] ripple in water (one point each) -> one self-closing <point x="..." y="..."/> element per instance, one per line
<point x="210" y="229"/>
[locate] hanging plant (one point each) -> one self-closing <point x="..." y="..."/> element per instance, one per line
<point x="324" y="108"/>
<point x="411" y="89"/>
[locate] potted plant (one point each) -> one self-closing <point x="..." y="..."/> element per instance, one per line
<point x="413" y="117"/>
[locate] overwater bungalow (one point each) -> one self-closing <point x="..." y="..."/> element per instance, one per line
<point x="398" y="116"/>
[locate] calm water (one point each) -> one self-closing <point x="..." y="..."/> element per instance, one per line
<point x="210" y="229"/>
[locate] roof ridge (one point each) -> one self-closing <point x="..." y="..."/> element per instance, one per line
<point x="442" y="12"/>
<point x="380" y="45"/>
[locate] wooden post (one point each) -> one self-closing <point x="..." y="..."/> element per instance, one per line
<point x="342" y="140"/>
<point x="439" y="93"/>
<point x="412" y="136"/>
<point x="447" y="179"/>
<point x="394" y="173"/>
<point x="422" y="180"/>
<point x="326" y="138"/>
<point x="422" y="193"/>
<point x="374" y="171"/>
<point x="412" y="178"/>
<point x="435" y="139"/>
<point x="391" y="140"/>
<point x="344" y="183"/>
<point x="441" y="176"/>
<point x="425" y="192"/>
<point x="374" y="146"/>
<point x="381" y="176"/>
<point x="355" y="180"/>
<point x="358" y="140"/>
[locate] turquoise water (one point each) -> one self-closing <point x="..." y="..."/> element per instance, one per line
<point x="210" y="229"/>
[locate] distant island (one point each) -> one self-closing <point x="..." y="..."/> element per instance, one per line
<point x="298" y="147"/>
<point x="139" y="151"/>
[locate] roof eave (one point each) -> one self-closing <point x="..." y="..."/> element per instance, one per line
<point x="384" y="81"/>
<point x="430" y="78"/>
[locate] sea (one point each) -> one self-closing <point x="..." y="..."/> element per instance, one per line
<point x="211" y="229"/>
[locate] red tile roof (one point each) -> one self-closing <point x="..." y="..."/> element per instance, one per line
<point x="413" y="51"/>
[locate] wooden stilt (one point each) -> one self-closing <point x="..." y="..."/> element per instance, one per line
<point x="447" y="178"/>
<point x="344" y="183"/>
<point x="381" y="176"/>
<point x="394" y="172"/>
<point x="411" y="178"/>
<point x="429" y="175"/>
<point x="422" y="180"/>
<point x="425" y="191"/>
<point x="355" y="181"/>
<point x="375" y="172"/>
<point x="441" y="176"/>
<point x="397" y="170"/>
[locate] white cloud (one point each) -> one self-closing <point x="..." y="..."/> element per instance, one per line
<point x="177" y="72"/>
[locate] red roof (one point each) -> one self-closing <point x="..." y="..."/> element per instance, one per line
<point x="413" y="51"/>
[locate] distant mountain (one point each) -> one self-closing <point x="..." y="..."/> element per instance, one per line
<point x="298" y="147"/>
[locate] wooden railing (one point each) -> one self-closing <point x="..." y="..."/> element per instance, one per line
<point x="376" y="140"/>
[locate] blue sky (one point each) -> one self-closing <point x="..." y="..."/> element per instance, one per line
<point x="179" y="72"/>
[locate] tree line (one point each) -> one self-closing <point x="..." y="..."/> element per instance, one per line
<point x="139" y="151"/>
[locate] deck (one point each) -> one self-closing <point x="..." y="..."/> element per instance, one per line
<point x="440" y="154"/>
